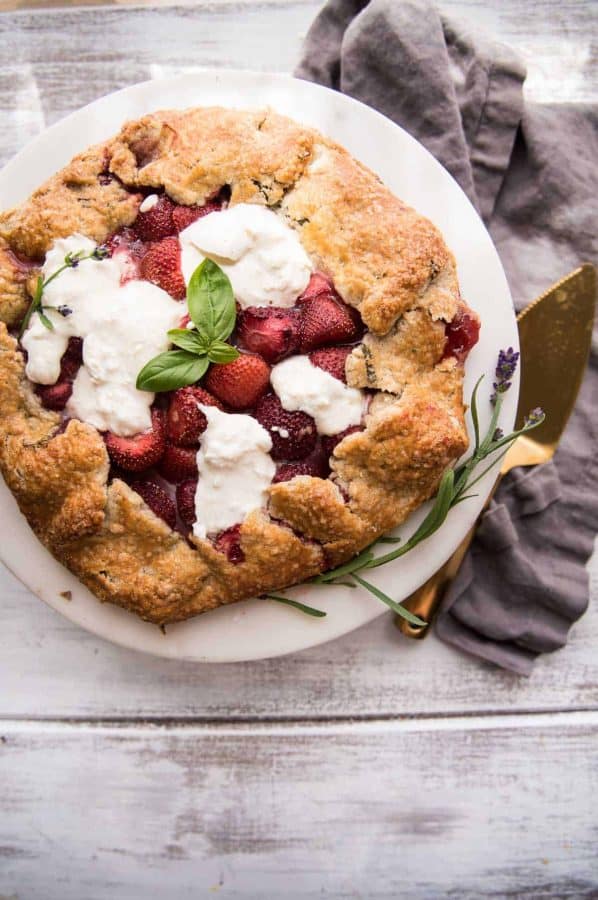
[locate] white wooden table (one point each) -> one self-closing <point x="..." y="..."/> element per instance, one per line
<point x="371" y="767"/>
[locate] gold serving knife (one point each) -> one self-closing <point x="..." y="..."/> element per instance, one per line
<point x="555" y="333"/>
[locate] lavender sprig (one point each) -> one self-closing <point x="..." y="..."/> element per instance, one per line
<point x="505" y="369"/>
<point x="453" y="489"/>
<point x="71" y="261"/>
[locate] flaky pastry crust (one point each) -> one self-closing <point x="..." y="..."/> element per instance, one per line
<point x="385" y="259"/>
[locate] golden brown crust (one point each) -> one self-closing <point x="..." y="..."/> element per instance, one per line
<point x="385" y="259"/>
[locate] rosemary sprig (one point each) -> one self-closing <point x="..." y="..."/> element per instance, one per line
<point x="71" y="261"/>
<point x="453" y="488"/>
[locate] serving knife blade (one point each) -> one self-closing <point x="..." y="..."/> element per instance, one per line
<point x="555" y="334"/>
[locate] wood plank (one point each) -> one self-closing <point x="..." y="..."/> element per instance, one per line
<point x="52" y="63"/>
<point x="249" y="812"/>
<point x="49" y="667"/>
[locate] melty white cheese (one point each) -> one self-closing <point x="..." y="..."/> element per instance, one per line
<point x="261" y="255"/>
<point x="235" y="470"/>
<point x="122" y="325"/>
<point x="301" y="385"/>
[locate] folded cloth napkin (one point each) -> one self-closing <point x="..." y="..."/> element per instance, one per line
<point x="531" y="172"/>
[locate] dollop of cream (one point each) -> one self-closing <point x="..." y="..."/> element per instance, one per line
<point x="235" y="470"/>
<point x="261" y="255"/>
<point x="301" y="385"/>
<point x="122" y="325"/>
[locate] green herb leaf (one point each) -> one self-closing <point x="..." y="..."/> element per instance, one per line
<point x="45" y="320"/>
<point x="188" y="339"/>
<point x="171" y="370"/>
<point x="221" y="352"/>
<point x="431" y="523"/>
<point x="308" y="610"/>
<point x="211" y="301"/>
<point x="347" y="568"/>
<point x="396" y="607"/>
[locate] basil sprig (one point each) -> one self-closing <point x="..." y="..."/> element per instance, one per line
<point x="211" y="305"/>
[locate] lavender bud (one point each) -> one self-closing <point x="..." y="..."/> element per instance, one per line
<point x="505" y="369"/>
<point x="534" y="417"/>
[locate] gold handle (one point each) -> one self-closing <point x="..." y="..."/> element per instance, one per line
<point x="424" y="602"/>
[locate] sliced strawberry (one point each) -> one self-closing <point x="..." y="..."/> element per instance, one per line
<point x="54" y="396"/>
<point x="183" y="216"/>
<point x="240" y="383"/>
<point x="178" y="463"/>
<point x="332" y="360"/>
<point x="185" y="500"/>
<point x="318" y="284"/>
<point x="162" y="266"/>
<point x="229" y="542"/>
<point x="269" y="331"/>
<point x="157" y="222"/>
<point x="326" y="320"/>
<point x="185" y="423"/>
<point x="330" y="441"/>
<point x="140" y="451"/>
<point x="293" y="434"/>
<point x="461" y="335"/>
<point x="156" y="498"/>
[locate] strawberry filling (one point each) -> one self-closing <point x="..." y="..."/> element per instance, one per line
<point x="161" y="463"/>
<point x="461" y="335"/>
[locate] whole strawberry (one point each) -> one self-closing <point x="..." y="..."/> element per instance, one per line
<point x="54" y="396"/>
<point x="162" y="266"/>
<point x="156" y="498"/>
<point x="183" y="216"/>
<point x="293" y="434"/>
<point x="185" y="500"/>
<point x="240" y="383"/>
<point x="331" y="360"/>
<point x="134" y="454"/>
<point x="327" y="320"/>
<point x="329" y="442"/>
<point x="185" y="422"/>
<point x="318" y="284"/>
<point x="269" y="331"/>
<point x="178" y="463"/>
<point x="315" y="465"/>
<point x="157" y="222"/>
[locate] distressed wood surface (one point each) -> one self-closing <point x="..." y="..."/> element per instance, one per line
<point x="50" y="668"/>
<point x="369" y="767"/>
<point x="302" y="812"/>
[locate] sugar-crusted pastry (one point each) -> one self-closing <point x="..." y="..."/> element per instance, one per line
<point x="333" y="424"/>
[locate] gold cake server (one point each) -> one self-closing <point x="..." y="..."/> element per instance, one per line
<point x="555" y="332"/>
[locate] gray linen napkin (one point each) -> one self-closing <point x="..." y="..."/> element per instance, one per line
<point x="531" y="171"/>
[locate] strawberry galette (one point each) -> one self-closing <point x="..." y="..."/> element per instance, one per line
<point x="230" y="359"/>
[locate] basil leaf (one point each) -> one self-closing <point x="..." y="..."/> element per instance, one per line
<point x="211" y="301"/>
<point x="188" y="340"/>
<point x="220" y="352"/>
<point x="171" y="370"/>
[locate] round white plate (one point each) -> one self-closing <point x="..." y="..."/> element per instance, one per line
<point x="257" y="629"/>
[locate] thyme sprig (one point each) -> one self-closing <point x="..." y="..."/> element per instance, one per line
<point x="453" y="489"/>
<point x="71" y="261"/>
